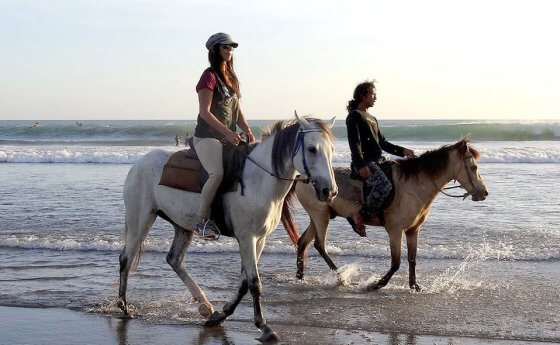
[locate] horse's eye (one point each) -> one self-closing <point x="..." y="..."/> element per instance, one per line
<point x="312" y="150"/>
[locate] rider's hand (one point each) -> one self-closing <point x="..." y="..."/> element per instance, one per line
<point x="365" y="173"/>
<point x="250" y="137"/>
<point x="233" y="138"/>
<point x="408" y="153"/>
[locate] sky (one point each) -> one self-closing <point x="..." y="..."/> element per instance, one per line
<point x="124" y="59"/>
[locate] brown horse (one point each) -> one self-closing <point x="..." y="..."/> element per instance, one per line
<point x="417" y="183"/>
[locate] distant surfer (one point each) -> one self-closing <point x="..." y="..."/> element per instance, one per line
<point x="177" y="138"/>
<point x="36" y="124"/>
<point x="187" y="139"/>
<point x="79" y="124"/>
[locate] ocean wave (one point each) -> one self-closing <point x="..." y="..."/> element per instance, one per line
<point x="480" y="251"/>
<point x="520" y="153"/>
<point x="131" y="133"/>
<point x="477" y="131"/>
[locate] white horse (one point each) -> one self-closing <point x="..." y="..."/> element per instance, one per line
<point x="291" y="148"/>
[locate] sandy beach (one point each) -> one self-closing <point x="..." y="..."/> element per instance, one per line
<point x="57" y="326"/>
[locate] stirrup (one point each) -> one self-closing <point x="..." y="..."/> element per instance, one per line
<point x="209" y="230"/>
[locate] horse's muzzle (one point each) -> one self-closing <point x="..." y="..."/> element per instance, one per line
<point x="326" y="194"/>
<point x="480" y="195"/>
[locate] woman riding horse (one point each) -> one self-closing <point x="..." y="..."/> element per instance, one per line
<point x="252" y="213"/>
<point x="219" y="115"/>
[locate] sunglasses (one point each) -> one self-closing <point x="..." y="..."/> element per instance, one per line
<point x="226" y="47"/>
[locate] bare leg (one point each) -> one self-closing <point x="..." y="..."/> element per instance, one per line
<point x="412" y="245"/>
<point x="175" y="258"/>
<point x="137" y="228"/>
<point x="303" y="242"/>
<point x="395" y="239"/>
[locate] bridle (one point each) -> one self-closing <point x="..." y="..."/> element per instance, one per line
<point x="300" y="143"/>
<point x="464" y="196"/>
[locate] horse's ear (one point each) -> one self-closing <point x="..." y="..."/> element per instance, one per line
<point x="330" y="123"/>
<point x="302" y="121"/>
<point x="462" y="146"/>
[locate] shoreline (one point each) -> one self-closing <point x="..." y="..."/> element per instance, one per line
<point x="28" y="325"/>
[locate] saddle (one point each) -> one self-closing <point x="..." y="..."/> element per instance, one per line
<point x="184" y="171"/>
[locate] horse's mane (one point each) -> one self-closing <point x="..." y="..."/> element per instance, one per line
<point x="434" y="162"/>
<point x="285" y="139"/>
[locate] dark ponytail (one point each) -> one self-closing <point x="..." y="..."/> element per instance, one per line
<point x="359" y="93"/>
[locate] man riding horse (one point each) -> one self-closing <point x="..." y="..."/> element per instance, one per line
<point x="366" y="145"/>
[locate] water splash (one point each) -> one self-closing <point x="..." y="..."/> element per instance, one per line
<point x="460" y="277"/>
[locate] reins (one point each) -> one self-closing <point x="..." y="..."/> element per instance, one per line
<point x="299" y="143"/>
<point x="464" y="196"/>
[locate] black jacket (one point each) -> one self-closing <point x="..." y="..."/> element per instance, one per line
<point x="362" y="142"/>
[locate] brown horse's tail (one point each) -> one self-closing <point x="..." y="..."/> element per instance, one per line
<point x="287" y="219"/>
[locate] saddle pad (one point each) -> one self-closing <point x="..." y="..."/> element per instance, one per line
<point x="182" y="172"/>
<point x="348" y="188"/>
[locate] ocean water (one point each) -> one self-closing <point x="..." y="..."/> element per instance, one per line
<point x="488" y="269"/>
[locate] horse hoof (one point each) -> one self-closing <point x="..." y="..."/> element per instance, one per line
<point x="299" y="275"/>
<point x="373" y="287"/>
<point x="416" y="287"/>
<point x="215" y="319"/>
<point x="123" y="307"/>
<point x="268" y="337"/>
<point x="205" y="309"/>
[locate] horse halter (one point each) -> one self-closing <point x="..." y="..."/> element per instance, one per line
<point x="464" y="196"/>
<point x="300" y="142"/>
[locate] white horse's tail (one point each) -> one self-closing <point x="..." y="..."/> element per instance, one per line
<point x="287" y="219"/>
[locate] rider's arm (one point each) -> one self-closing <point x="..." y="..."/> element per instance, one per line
<point x="394" y="149"/>
<point x="242" y="123"/>
<point x="390" y="147"/>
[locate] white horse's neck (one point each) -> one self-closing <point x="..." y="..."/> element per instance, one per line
<point x="258" y="181"/>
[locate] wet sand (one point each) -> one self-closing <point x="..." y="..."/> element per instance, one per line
<point x="50" y="326"/>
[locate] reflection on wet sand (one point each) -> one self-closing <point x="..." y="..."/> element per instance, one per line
<point x="213" y="335"/>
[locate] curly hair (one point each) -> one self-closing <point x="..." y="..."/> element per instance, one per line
<point x="359" y="93"/>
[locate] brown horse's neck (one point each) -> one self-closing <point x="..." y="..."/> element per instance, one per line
<point x="430" y="186"/>
<point x="448" y="174"/>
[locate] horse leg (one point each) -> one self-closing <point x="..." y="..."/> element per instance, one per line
<point x="395" y="239"/>
<point x="249" y="259"/>
<point x="322" y="228"/>
<point x="175" y="258"/>
<point x="136" y="229"/>
<point x="218" y="317"/>
<point x="412" y="246"/>
<point x="303" y="242"/>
